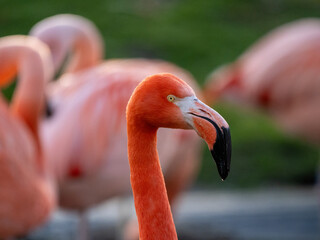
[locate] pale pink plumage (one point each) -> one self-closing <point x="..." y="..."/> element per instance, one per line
<point x="280" y="73"/>
<point x="27" y="193"/>
<point x="71" y="34"/>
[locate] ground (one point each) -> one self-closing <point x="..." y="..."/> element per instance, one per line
<point x="264" y="214"/>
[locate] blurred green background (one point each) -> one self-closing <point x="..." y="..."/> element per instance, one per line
<point x="198" y="36"/>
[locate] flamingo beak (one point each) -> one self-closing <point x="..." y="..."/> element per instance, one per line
<point x="221" y="152"/>
<point x="212" y="127"/>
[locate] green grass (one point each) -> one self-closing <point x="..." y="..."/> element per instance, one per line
<point x="198" y="36"/>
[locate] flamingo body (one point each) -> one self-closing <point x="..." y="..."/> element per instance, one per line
<point x="93" y="153"/>
<point x="27" y="192"/>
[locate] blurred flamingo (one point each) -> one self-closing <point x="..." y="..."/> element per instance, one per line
<point x="73" y="35"/>
<point x="164" y="100"/>
<point x="27" y="193"/>
<point x="92" y="157"/>
<point x="280" y="73"/>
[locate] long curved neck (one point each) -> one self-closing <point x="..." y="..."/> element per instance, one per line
<point x="66" y="34"/>
<point x="88" y="52"/>
<point x="28" y="98"/>
<point x="149" y="192"/>
<point x="31" y="59"/>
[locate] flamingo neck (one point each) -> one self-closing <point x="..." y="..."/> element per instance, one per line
<point x="28" y="98"/>
<point x="149" y="191"/>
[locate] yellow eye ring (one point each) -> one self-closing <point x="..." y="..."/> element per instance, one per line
<point x="171" y="98"/>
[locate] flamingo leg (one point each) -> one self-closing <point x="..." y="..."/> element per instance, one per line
<point x="121" y="218"/>
<point x="131" y="229"/>
<point x="83" y="228"/>
<point x="318" y="175"/>
<point x="124" y="218"/>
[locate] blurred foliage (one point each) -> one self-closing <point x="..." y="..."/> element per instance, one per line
<point x="262" y="154"/>
<point x="198" y="36"/>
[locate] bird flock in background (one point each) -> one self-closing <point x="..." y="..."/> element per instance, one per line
<point x="99" y="140"/>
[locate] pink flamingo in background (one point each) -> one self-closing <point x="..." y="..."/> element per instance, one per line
<point x="71" y="34"/>
<point x="27" y="193"/>
<point x="87" y="137"/>
<point x="280" y="73"/>
<point x="164" y="100"/>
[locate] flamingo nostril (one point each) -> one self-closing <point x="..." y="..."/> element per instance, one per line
<point x="201" y="110"/>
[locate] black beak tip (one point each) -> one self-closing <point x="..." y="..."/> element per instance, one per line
<point x="221" y="152"/>
<point x="222" y="165"/>
<point x="221" y="149"/>
<point x="223" y="174"/>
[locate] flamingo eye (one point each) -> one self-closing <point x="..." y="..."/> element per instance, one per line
<point x="171" y="98"/>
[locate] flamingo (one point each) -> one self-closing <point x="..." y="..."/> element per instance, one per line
<point x="27" y="192"/>
<point x="165" y="101"/>
<point x="66" y="32"/>
<point x="86" y="156"/>
<point x="86" y="137"/>
<point x="281" y="74"/>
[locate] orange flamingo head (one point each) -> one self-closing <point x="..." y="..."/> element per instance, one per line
<point x="163" y="100"/>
